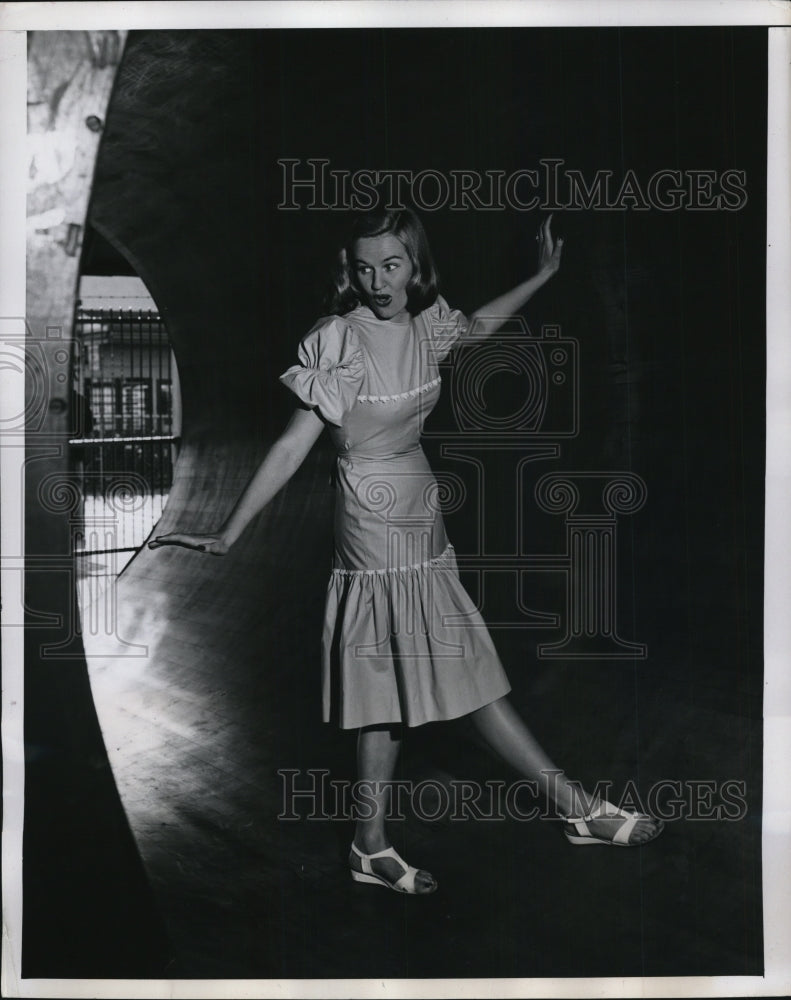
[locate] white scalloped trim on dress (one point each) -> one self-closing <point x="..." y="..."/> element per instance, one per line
<point x="401" y="395"/>
<point x="396" y="569"/>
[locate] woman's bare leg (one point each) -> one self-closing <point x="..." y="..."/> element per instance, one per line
<point x="377" y="754"/>
<point x="507" y="734"/>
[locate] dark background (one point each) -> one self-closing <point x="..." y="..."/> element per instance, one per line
<point x="668" y="310"/>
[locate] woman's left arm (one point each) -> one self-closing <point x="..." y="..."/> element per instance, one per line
<point x="490" y="318"/>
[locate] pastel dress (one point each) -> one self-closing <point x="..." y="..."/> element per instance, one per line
<point x="402" y="639"/>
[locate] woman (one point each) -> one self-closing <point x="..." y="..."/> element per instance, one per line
<point x="402" y="643"/>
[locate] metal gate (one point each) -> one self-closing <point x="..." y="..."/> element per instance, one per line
<point x="126" y="415"/>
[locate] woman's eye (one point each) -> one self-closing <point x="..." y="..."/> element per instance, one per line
<point x="391" y="267"/>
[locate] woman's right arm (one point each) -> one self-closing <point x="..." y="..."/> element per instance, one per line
<point x="281" y="462"/>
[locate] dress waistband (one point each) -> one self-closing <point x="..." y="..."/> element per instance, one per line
<point x="355" y="456"/>
<point x="348" y="459"/>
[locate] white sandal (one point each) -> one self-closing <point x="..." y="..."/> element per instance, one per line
<point x="583" y="833"/>
<point x="406" y="883"/>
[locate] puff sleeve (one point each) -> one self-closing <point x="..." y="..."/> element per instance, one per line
<point x="445" y="327"/>
<point x="330" y="370"/>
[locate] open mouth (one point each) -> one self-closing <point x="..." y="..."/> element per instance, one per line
<point x="382" y="300"/>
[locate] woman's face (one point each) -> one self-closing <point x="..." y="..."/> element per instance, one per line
<point x="382" y="269"/>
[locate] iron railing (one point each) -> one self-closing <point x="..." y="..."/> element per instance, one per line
<point x="125" y="426"/>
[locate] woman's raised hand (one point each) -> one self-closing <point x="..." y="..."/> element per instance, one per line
<point x="214" y="545"/>
<point x="549" y="250"/>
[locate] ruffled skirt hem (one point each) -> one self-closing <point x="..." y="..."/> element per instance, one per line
<point x="406" y="645"/>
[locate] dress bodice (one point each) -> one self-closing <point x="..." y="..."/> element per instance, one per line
<point x="375" y="381"/>
<point x="398" y="391"/>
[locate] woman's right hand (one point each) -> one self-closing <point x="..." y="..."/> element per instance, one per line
<point x="215" y="545"/>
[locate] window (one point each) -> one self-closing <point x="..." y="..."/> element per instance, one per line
<point x="103" y="407"/>
<point x="136" y="406"/>
<point x="164" y="406"/>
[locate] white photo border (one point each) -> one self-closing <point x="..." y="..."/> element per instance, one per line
<point x="18" y="18"/>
